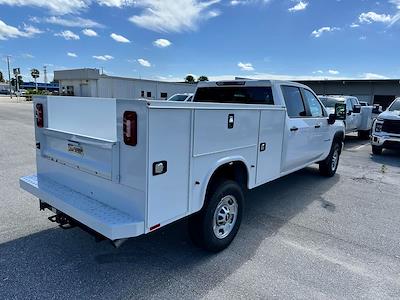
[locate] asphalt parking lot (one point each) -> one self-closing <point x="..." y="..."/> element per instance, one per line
<point x="303" y="236"/>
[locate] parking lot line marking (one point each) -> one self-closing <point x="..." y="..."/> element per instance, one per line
<point x="358" y="147"/>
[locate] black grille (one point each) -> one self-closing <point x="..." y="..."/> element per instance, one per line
<point x="391" y="126"/>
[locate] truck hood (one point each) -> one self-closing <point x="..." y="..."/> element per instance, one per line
<point x="390" y="115"/>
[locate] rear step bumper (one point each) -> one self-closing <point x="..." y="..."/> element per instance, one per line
<point x="108" y="221"/>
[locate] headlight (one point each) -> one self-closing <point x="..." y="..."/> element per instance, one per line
<point x="378" y="126"/>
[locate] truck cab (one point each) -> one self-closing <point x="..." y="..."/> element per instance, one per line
<point x="358" y="117"/>
<point x="386" y="129"/>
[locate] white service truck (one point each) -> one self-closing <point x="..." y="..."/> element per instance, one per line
<point x="359" y="117"/>
<point x="386" y="129"/>
<point x="123" y="168"/>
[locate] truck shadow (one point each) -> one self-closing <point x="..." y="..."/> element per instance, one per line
<point x="57" y="263"/>
<point x="388" y="157"/>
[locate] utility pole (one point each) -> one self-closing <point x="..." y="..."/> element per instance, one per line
<point x="9" y="74"/>
<point x="45" y="73"/>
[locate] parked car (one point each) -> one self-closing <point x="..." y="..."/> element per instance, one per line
<point x="386" y="129"/>
<point x="358" y="117"/>
<point x="122" y="169"/>
<point x="187" y="97"/>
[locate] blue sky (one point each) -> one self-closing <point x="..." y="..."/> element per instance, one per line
<point x="168" y="39"/>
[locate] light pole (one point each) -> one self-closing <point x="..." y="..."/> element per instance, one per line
<point x="9" y="74"/>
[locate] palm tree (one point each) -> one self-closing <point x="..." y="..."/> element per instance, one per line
<point x="189" y="79"/>
<point x="35" y="75"/>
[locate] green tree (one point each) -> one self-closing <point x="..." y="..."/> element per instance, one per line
<point x="1" y="77"/>
<point x="189" y="79"/>
<point x="202" y="78"/>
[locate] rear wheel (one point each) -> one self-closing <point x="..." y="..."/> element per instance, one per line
<point x="217" y="224"/>
<point x="377" y="150"/>
<point x="329" y="166"/>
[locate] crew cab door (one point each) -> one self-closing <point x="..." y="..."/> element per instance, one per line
<point x="321" y="140"/>
<point x="299" y="131"/>
<point x="352" y="118"/>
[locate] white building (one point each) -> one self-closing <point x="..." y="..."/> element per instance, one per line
<point x="90" y="83"/>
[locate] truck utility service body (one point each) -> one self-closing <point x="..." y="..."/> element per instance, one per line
<point x="127" y="167"/>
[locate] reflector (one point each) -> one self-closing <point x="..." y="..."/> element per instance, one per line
<point x="130" y="128"/>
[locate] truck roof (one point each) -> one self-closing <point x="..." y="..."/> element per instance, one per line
<point x="248" y="82"/>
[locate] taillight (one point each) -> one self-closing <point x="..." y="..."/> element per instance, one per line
<point x="39" y="115"/>
<point x="130" y="128"/>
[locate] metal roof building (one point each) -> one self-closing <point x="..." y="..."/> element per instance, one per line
<point x="373" y="91"/>
<point x="90" y="83"/>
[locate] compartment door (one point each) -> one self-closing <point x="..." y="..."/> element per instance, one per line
<point x="169" y="142"/>
<point x="272" y="124"/>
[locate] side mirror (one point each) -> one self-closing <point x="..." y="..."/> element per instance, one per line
<point x="357" y="109"/>
<point x="340" y="111"/>
<point x="331" y="119"/>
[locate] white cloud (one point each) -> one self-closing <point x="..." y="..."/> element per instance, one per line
<point x="371" y="17"/>
<point x="116" y="3"/>
<point x="373" y="76"/>
<point x="144" y="63"/>
<point x="318" y="32"/>
<point x="318" y="72"/>
<point x="27" y="55"/>
<point x="59" y="7"/>
<point x="162" y="43"/>
<point x="89" y="32"/>
<point x="299" y="6"/>
<point x="72" y="54"/>
<point x="119" y="38"/>
<point x="68" y="35"/>
<point x="333" y="72"/>
<point x="68" y="21"/>
<point x="245" y="66"/>
<point x="8" y="31"/>
<point x="103" y="57"/>
<point x="173" y="15"/>
<point x="245" y="2"/>
<point x="354" y="25"/>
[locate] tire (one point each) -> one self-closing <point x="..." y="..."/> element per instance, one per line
<point x="363" y="134"/>
<point x="217" y="224"/>
<point x="329" y="166"/>
<point x="377" y="150"/>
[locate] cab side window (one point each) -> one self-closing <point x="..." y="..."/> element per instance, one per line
<point x="314" y="105"/>
<point x="294" y="102"/>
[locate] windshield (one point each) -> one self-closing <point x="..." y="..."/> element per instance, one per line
<point x="395" y="105"/>
<point x="178" y="98"/>
<point x="329" y="102"/>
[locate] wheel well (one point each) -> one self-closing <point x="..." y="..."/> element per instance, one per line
<point x="339" y="136"/>
<point x="236" y="171"/>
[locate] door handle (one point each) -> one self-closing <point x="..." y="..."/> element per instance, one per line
<point x="294" y="128"/>
<point x="317" y="126"/>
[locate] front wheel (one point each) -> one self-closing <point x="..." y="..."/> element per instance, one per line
<point x="217" y="224"/>
<point x="329" y="166"/>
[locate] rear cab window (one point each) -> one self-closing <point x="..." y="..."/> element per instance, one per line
<point x="233" y="94"/>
